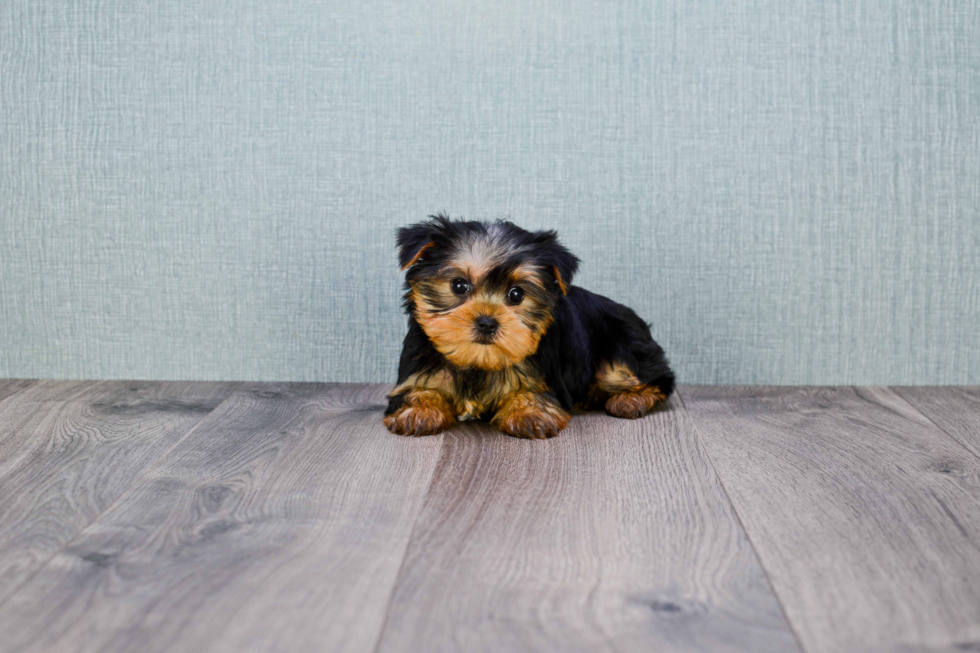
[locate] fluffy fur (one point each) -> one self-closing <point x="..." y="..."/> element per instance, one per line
<point x="496" y="331"/>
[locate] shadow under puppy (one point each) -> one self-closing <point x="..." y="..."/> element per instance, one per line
<point x="496" y="331"/>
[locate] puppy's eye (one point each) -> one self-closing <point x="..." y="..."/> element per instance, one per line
<point x="460" y="286"/>
<point x="515" y="296"/>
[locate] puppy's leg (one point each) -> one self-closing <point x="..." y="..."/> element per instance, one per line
<point x="624" y="394"/>
<point x="422" y="412"/>
<point x="530" y="415"/>
<point x="421" y="406"/>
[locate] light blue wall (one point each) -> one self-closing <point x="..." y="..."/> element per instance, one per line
<point x="788" y="190"/>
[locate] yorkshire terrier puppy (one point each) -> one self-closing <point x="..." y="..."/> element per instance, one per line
<point x="496" y="331"/>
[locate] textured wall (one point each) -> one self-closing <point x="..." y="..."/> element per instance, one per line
<point x="788" y="190"/>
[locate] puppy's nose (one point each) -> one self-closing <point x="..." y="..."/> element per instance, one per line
<point x="486" y="326"/>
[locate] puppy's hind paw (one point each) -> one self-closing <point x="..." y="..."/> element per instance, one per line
<point x="633" y="404"/>
<point x="424" y="412"/>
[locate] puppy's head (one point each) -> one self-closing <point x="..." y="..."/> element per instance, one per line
<point x="483" y="292"/>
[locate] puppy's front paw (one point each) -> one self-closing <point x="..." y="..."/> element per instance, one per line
<point x="530" y="416"/>
<point x="633" y="404"/>
<point x="424" y="412"/>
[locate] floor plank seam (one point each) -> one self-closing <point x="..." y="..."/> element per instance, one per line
<point x="741" y="523"/>
<point x="443" y="447"/>
<point x="933" y="422"/>
<point x="122" y="494"/>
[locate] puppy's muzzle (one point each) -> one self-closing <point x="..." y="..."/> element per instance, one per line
<point x="486" y="328"/>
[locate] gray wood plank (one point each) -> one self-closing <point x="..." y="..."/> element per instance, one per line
<point x="954" y="409"/>
<point x="864" y="514"/>
<point x="615" y="536"/>
<point x="10" y="386"/>
<point x="278" y="524"/>
<point x="69" y="449"/>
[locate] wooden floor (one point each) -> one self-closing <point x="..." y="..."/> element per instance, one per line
<point x="230" y="517"/>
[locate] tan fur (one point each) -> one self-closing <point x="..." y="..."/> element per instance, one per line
<point x="452" y="332"/>
<point x="504" y="384"/>
<point x="479" y="253"/>
<point x="529" y="415"/>
<point x="633" y="404"/>
<point x="424" y="412"/>
<point x="528" y="273"/>
<point x="561" y="282"/>
<point x="477" y="256"/>
<point x="441" y="381"/>
<point x="507" y="383"/>
<point x="622" y="393"/>
<point x="615" y="377"/>
<point x="418" y="255"/>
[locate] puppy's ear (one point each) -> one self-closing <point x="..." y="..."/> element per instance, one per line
<point x="562" y="262"/>
<point x="415" y="239"/>
<point x="412" y="243"/>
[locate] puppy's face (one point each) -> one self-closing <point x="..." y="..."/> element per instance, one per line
<point x="483" y="293"/>
<point x="482" y="310"/>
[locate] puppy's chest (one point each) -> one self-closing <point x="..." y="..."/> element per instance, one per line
<point x="479" y="393"/>
<point x="474" y="398"/>
<point x="471" y="409"/>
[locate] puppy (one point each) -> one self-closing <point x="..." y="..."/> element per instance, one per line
<point x="496" y="331"/>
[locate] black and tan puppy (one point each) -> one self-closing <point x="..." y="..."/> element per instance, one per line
<point x="496" y="331"/>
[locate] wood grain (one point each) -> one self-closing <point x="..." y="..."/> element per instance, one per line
<point x="864" y="514"/>
<point x="69" y="449"/>
<point x="278" y="524"/>
<point x="615" y="536"/>
<point x="954" y="409"/>
<point x="11" y="386"/>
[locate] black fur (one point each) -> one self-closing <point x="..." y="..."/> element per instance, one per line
<point x="587" y="328"/>
<point x="542" y="246"/>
